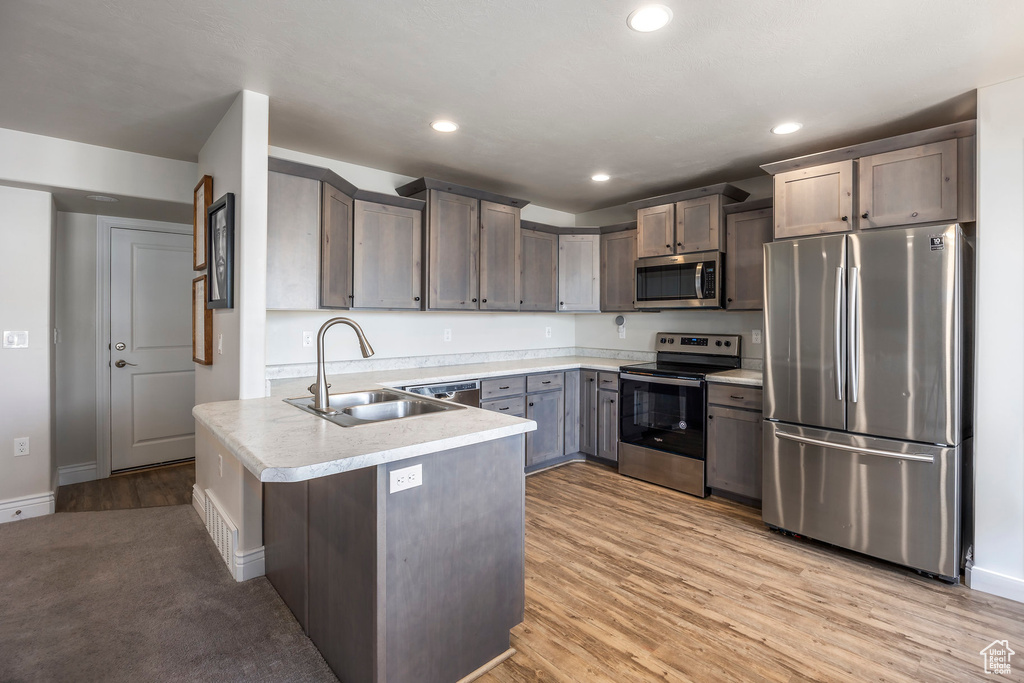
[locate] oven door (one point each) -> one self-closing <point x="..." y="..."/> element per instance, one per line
<point x="685" y="281"/>
<point x="662" y="413"/>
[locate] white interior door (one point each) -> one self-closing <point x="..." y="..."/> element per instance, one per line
<point x="152" y="379"/>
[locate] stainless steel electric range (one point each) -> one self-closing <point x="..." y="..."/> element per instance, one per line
<point x="663" y="407"/>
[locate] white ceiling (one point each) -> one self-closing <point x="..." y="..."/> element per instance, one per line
<point x="548" y="92"/>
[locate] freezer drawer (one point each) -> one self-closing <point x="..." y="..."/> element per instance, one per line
<point x="895" y="500"/>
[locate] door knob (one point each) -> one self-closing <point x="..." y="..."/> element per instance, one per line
<point x="121" y="363"/>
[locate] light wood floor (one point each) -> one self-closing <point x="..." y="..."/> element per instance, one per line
<point x="170" y="485"/>
<point x="627" y="581"/>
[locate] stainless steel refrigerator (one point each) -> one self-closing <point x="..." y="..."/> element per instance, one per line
<point x="867" y="392"/>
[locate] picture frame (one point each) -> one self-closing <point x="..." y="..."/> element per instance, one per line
<point x="201" y="198"/>
<point x="220" y="253"/>
<point x="202" y="324"/>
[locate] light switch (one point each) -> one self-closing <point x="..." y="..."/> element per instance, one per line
<point x="15" y="339"/>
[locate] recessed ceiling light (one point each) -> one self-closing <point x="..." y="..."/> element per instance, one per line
<point x="444" y="126"/>
<point x="649" y="18"/>
<point x="600" y="177"/>
<point x="787" y="128"/>
<point x="100" y="198"/>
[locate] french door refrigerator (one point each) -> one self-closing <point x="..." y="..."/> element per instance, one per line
<point x="867" y="392"/>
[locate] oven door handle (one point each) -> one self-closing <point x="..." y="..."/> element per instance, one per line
<point x="661" y="380"/>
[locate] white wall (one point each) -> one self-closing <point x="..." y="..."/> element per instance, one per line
<point x="26" y="243"/>
<point x="75" y="241"/>
<point x="999" y="382"/>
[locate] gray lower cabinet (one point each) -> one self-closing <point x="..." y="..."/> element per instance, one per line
<point x="387" y="256"/>
<point x="734" y="440"/>
<point x="547" y="441"/>
<point x="608" y="424"/>
<point x="618" y="271"/>
<point x="588" y="412"/>
<point x="579" y="272"/>
<point x="500" y="246"/>
<point x="571" y="418"/>
<point x="539" y="271"/>
<point x="293" y="242"/>
<point x="816" y="200"/>
<point x="453" y="235"/>
<point x="746" y="235"/>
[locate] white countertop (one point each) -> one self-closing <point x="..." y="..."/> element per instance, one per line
<point x="279" y="442"/>
<point x="753" y="378"/>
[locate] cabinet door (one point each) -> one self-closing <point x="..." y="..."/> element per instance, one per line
<point x="579" y="270"/>
<point x="608" y="425"/>
<point x="571" y="419"/>
<point x="293" y="242"/>
<point x="388" y="244"/>
<point x="540" y="271"/>
<point x="546" y="442"/>
<point x="811" y="201"/>
<point x="499" y="257"/>
<point x="588" y="412"/>
<point x="335" y="249"/>
<point x="454" y="235"/>
<point x="734" y="451"/>
<point x="698" y="225"/>
<point x="655" y="234"/>
<point x="746" y="234"/>
<point x="916" y="185"/>
<point x="618" y="271"/>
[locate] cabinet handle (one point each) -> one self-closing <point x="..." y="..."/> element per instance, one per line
<point x="612" y="401"/>
<point x="502" y="387"/>
<point x="474" y="300"/>
<point x="548" y="382"/>
<point x="864" y="215"/>
<point x="561" y="303"/>
<point x="531" y="405"/>
<point x="679" y="244"/>
<point x="520" y="302"/>
<point x="738" y="398"/>
<point x="416" y="298"/>
<point x="483" y="301"/>
<point x="506" y="407"/>
<point x="711" y="417"/>
<point x="845" y="218"/>
<point x="729" y="299"/>
<point x="591" y="379"/>
<point x="668" y="246"/>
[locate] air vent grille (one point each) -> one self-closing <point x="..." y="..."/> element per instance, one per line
<point x="222" y="531"/>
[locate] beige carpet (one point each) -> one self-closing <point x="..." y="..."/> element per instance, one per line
<point x="138" y="595"/>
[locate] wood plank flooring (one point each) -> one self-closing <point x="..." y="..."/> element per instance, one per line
<point x="170" y="485"/>
<point x="627" y="581"/>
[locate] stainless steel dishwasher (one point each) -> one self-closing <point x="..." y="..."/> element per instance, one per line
<point x="465" y="393"/>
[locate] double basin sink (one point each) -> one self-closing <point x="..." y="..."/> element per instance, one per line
<point x="368" y="407"/>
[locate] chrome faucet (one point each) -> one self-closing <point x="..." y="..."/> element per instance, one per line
<point x="321" y="399"/>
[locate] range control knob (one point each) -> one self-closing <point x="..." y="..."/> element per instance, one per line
<point x="718" y="343"/>
<point x="662" y="340"/>
<point x="728" y="343"/>
<point x="671" y="340"/>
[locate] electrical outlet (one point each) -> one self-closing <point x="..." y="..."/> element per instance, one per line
<point x="21" y="446"/>
<point x="307" y="338"/>
<point x="220" y="344"/>
<point x="220" y="464"/>
<point x="755" y="336"/>
<point x="547" y="332"/>
<point x="622" y="331"/>
<point x="447" y="334"/>
<point x="405" y="478"/>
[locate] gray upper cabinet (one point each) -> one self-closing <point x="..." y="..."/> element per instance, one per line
<point x="335" y="249"/>
<point x="656" y="231"/>
<point x="608" y="425"/>
<point x="539" y="271"/>
<point x="387" y="264"/>
<point x="907" y="186"/>
<point x="453" y="250"/>
<point x="293" y="242"/>
<point x="499" y="257"/>
<point x="618" y="271"/>
<point x="698" y="225"/>
<point x="816" y="200"/>
<point x="579" y="271"/>
<point x="746" y="234"/>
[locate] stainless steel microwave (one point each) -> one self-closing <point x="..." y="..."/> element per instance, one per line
<point x="684" y="281"/>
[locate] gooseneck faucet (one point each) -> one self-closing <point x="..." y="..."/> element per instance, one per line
<point x="321" y="399"/>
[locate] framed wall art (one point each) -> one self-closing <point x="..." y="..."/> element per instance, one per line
<point x="202" y="324"/>
<point x="201" y="198"/>
<point x="220" y="252"/>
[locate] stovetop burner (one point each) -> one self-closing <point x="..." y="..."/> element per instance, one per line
<point x="689" y="356"/>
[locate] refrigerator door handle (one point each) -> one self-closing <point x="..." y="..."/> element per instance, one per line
<point x="854" y="314"/>
<point x="919" y="457"/>
<point x="838" y="332"/>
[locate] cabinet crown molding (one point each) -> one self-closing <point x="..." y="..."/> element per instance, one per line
<point x="419" y="185"/>
<point x="725" y="189"/>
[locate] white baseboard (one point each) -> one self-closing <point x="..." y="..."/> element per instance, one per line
<point x="249" y="564"/>
<point x="76" y="474"/>
<point x="22" y="508"/>
<point x="988" y="581"/>
<point x="199" y="502"/>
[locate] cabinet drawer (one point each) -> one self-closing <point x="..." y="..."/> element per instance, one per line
<point x="545" y="382"/>
<point x="510" y="406"/>
<point x="735" y="395"/>
<point x="608" y="380"/>
<point x="505" y="386"/>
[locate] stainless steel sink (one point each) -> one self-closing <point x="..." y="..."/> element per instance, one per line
<point x="369" y="407"/>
